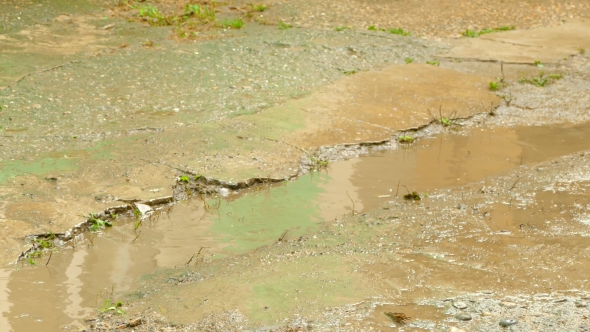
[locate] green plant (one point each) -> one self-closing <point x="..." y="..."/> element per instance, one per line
<point x="259" y="8"/>
<point x="581" y="50"/>
<point x="409" y="60"/>
<point x="434" y="63"/>
<point x="445" y="121"/>
<point x="97" y="223"/>
<point x="474" y="33"/>
<point x="284" y="26"/>
<point x="234" y="24"/>
<point x="204" y="13"/>
<point x="44" y="244"/>
<point x="137" y="224"/>
<point x="342" y="28"/>
<point x="412" y="196"/>
<point x="150" y="11"/>
<point x="197" y="177"/>
<point x="494" y="86"/>
<point x="32" y="255"/>
<point x="136" y="213"/>
<point x="349" y="72"/>
<point x="555" y="76"/>
<point x="399" y="31"/>
<point x="372" y="28"/>
<point x="184" y="178"/>
<point x="539" y="64"/>
<point x="108" y="305"/>
<point x="405" y="139"/>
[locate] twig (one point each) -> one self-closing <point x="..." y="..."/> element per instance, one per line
<point x="50" y="254"/>
<point x="514" y="185"/>
<point x="282" y="237"/>
<point x="190" y="260"/>
<point x="397" y="190"/>
<point x="351" y="202"/>
<point x="136" y="237"/>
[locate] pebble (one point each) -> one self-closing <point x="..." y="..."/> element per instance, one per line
<point x="508" y="322"/>
<point x="460" y="305"/>
<point x="454" y="329"/>
<point x="463" y="316"/>
<point x="509" y="305"/>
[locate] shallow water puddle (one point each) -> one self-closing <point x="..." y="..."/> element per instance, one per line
<point x="76" y="282"/>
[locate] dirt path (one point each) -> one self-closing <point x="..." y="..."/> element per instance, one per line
<point x="99" y="106"/>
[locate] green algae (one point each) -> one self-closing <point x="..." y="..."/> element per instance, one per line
<point x="46" y="165"/>
<point x="261" y="218"/>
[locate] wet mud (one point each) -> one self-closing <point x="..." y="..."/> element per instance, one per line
<point x="195" y="235"/>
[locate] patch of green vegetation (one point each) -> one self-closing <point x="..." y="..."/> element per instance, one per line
<point x="414" y="196"/>
<point x="98" y="223"/>
<point x="258" y="8"/>
<point x="284" y="26"/>
<point x="541" y="80"/>
<point x="197" y="177"/>
<point x="342" y="28"/>
<point x="349" y="72"/>
<point x="399" y="31"/>
<point x="395" y="31"/>
<point x="203" y="13"/>
<point x="433" y="63"/>
<point x="234" y="24"/>
<point x="473" y="33"/>
<point x="405" y="139"/>
<point x="109" y="305"/>
<point x="581" y="50"/>
<point x="539" y="64"/>
<point x="136" y="214"/>
<point x="46" y="243"/>
<point x="184" y="178"/>
<point x="494" y="86"/>
<point x="409" y="60"/>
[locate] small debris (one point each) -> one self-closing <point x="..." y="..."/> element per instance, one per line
<point x="398" y="317"/>
<point x="412" y="196"/>
<point x="508" y="305"/>
<point x="463" y="316"/>
<point x="508" y="322"/>
<point x="133" y="322"/>
<point x="143" y="209"/>
<point x="108" y="26"/>
<point x="460" y="305"/>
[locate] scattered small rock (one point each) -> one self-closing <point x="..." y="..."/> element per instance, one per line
<point x="509" y="305"/>
<point x="581" y="304"/>
<point x="463" y="316"/>
<point x="144" y="209"/>
<point x="508" y="322"/>
<point x="454" y="329"/>
<point x="460" y="305"/>
<point x="133" y="322"/>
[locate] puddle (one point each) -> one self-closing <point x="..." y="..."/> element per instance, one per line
<point x="76" y="281"/>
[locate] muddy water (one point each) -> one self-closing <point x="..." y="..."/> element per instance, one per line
<point x="68" y="286"/>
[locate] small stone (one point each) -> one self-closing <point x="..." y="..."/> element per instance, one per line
<point x="581" y="304"/>
<point x="509" y="305"/>
<point x="463" y="316"/>
<point x="133" y="322"/>
<point x="485" y="313"/>
<point x="508" y="322"/>
<point x="460" y="305"/>
<point x="454" y="329"/>
<point x="143" y="208"/>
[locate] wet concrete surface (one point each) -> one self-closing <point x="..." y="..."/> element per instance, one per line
<point x="69" y="285"/>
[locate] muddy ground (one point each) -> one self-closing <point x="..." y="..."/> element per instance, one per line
<point x="98" y="105"/>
